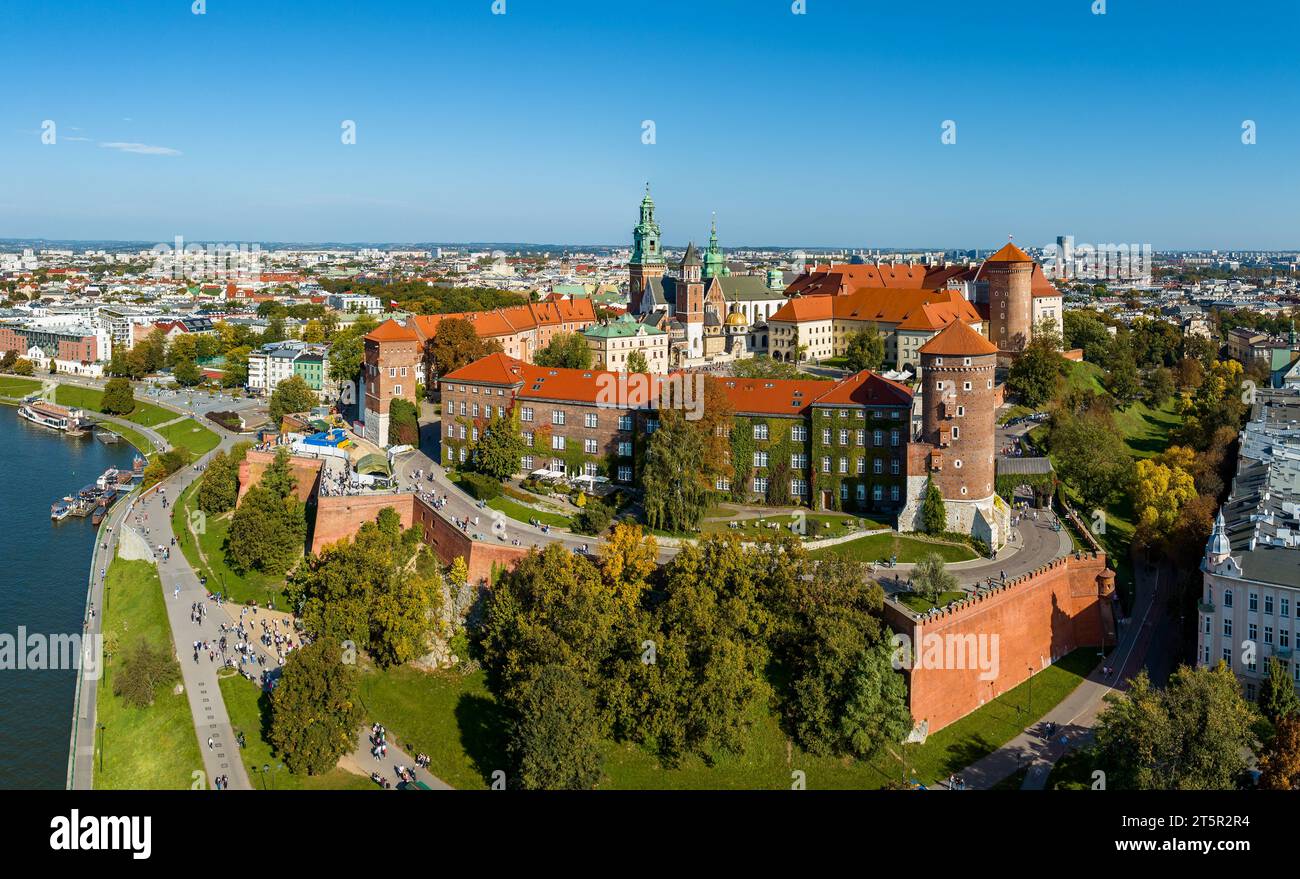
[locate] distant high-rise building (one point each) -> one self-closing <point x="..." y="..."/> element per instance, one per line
<point x="1064" y="256"/>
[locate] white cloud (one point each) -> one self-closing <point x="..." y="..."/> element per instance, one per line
<point x="143" y="149"/>
<point x="77" y="138"/>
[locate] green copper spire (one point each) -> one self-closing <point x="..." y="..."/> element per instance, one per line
<point x="715" y="264"/>
<point x="645" y="237"/>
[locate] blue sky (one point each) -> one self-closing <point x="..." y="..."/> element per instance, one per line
<point x="814" y="129"/>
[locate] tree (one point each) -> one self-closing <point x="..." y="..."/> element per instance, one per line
<point x="278" y="476"/>
<point x="1122" y="379"/>
<point x="313" y="331"/>
<point x="636" y="362"/>
<point x="348" y="349"/>
<point x="677" y="489"/>
<point x="1280" y="764"/>
<point x="1192" y="735"/>
<point x="117" y="398"/>
<point x="930" y="579"/>
<point x="290" y="395"/>
<point x="1277" y="697"/>
<point x="1084" y="330"/>
<point x="1036" y="373"/>
<point x="594" y="517"/>
<point x="381" y="590"/>
<point x="315" y="709"/>
<point x="23" y="366"/>
<point x="500" y="447"/>
<point x="219" y="488"/>
<point x="403" y="423"/>
<point x="555" y="736"/>
<point x="8" y="360"/>
<point x="934" y="515"/>
<point x="145" y="670"/>
<point x="267" y="532"/>
<point x="1160" y="490"/>
<point x="627" y="559"/>
<point x="1090" y="455"/>
<point x="187" y="373"/>
<point x="1159" y="385"/>
<point x="456" y="343"/>
<point x="865" y="350"/>
<point x="565" y="350"/>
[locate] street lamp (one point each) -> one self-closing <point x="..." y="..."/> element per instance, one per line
<point x="266" y="768"/>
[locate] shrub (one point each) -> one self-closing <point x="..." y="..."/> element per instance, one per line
<point x="480" y="487"/>
<point x="594" y="518"/>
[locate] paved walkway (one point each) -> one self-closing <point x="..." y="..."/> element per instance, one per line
<point x="362" y="762"/>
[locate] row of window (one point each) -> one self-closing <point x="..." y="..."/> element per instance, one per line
<point x="799" y="461"/>
<point x="1251" y="665"/>
<point x="1252" y="602"/>
<point x="1252" y="632"/>
<point x="799" y="434"/>
<point x="799" y="488"/>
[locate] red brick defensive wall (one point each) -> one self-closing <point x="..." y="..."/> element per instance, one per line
<point x="977" y="649"/>
<point x="450" y="543"/>
<point x="339" y="517"/>
<point x="307" y="471"/>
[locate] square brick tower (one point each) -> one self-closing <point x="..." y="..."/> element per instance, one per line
<point x="391" y="370"/>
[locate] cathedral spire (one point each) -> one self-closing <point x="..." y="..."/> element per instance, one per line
<point x="715" y="263"/>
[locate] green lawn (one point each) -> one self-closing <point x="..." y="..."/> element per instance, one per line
<point x="455" y="720"/>
<point x="146" y="414"/>
<point x="817" y="526"/>
<point x="1146" y="430"/>
<point x="249" y="711"/>
<point x="191" y="435"/>
<point x="143" y="748"/>
<point x="16" y="386"/>
<point x="522" y="513"/>
<point x="877" y="547"/>
<point x="240" y="588"/>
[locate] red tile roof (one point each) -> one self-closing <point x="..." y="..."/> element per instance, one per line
<point x="958" y="339"/>
<point x="908" y="309"/>
<point x="1009" y="253"/>
<point x="517" y="318"/>
<point x="392" y="331"/>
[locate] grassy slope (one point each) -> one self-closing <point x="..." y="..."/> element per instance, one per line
<point x="250" y="714"/>
<point x="154" y="747"/>
<point x="16" y="386"/>
<point x="240" y="588"/>
<point x="522" y="513"/>
<point x="1146" y="432"/>
<point x="876" y="547"/>
<point x="454" y="719"/>
<point x="189" y="434"/>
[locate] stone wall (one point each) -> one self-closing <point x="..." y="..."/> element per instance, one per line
<point x="340" y="517"/>
<point x="450" y="543"/>
<point x="991" y="643"/>
<point x="307" y="471"/>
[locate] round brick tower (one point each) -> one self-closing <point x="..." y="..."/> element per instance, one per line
<point x="1010" y="274"/>
<point x="957" y="412"/>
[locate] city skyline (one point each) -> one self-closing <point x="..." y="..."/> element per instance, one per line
<point x="528" y="127"/>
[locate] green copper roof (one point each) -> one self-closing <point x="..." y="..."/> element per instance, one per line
<point x="624" y="326"/>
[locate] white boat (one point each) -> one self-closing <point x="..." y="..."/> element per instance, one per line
<point x="52" y="415"/>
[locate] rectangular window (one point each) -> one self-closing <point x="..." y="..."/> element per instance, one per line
<point x="1268" y="604"/>
<point x="826" y="436"/>
<point x="397" y="390"/>
<point x="624" y="474"/>
<point x="557" y="416"/>
<point x="799" y="462"/>
<point x="862" y="466"/>
<point x="893" y="467"/>
<point x="826" y="465"/>
<point x="1284" y="607"/>
<point x="878" y="438"/>
<point x="878" y="466"/>
<point x="877" y="492"/>
<point x="528" y="437"/>
<point x="760" y="485"/>
<point x="625" y="422"/>
<point x="760" y="431"/>
<point x="474" y="410"/>
<point x="844" y="436"/>
<point x="589" y="446"/>
<point x="557" y="442"/>
<point x="893" y="492"/>
<point x="844" y="466"/>
<point x="589" y="419"/>
<point x="526" y="414"/>
<point x="760" y="459"/>
<point x="1227" y="627"/>
<point x="862" y="437"/>
<point x="893" y="437"/>
<point x="798" y="487"/>
<point x="527" y="461"/>
<point x="1254" y="601"/>
<point x="474" y="434"/>
<point x="798" y="433"/>
<point x="625" y="449"/>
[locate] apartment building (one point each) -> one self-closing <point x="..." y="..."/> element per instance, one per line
<point x="1250" y="604"/>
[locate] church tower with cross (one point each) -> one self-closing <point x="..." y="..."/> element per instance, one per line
<point x="647" y="260"/>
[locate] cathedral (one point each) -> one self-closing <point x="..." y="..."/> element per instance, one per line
<point x="711" y="314"/>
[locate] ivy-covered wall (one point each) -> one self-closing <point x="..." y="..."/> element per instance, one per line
<point x="779" y="447"/>
<point x="832" y="486"/>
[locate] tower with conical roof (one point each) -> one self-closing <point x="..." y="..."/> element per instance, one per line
<point x="1010" y="274"/>
<point x="715" y="264"/>
<point x="647" y="260"/>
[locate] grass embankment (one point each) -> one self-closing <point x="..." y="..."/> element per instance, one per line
<point x="1146" y="433"/>
<point x="144" y="414"/>
<point x="206" y="554"/>
<point x="921" y="604"/>
<point x="190" y="435"/>
<point x="249" y="710"/>
<point x="455" y="720"/>
<point x="881" y="547"/>
<point x="522" y="513"/>
<point x="17" y="386"/>
<point x="152" y="748"/>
